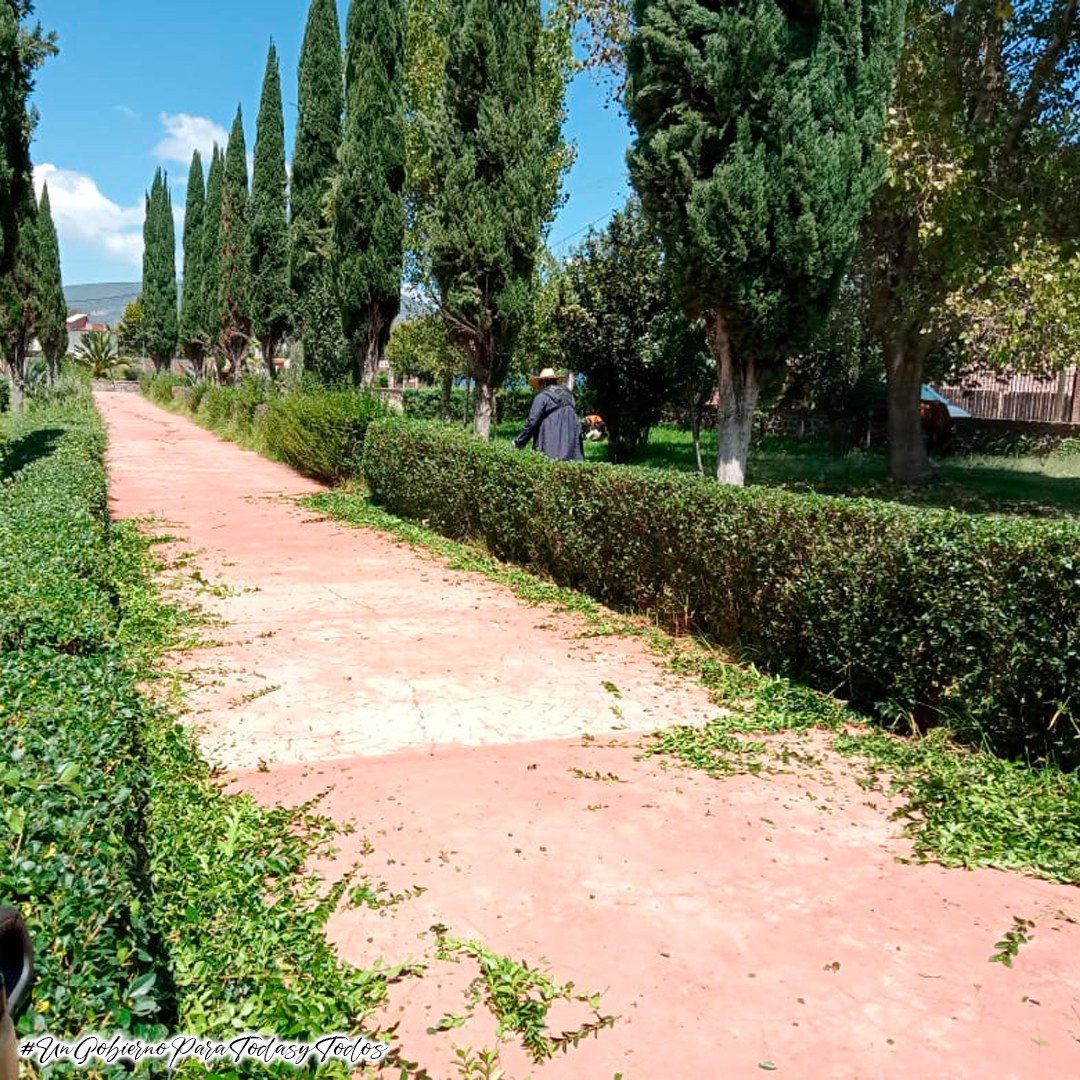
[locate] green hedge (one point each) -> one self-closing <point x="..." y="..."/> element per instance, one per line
<point x="511" y="405"/>
<point x="52" y="519"/>
<point x="920" y="616"/>
<point x="73" y="775"/>
<point x="319" y="433"/>
<point x="315" y="430"/>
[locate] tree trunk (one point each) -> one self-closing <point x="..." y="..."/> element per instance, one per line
<point x="375" y="338"/>
<point x="52" y="367"/>
<point x="14" y="371"/>
<point x="235" y="347"/>
<point x="481" y="363"/>
<point x="447" y="395"/>
<point x="269" y="348"/>
<point x="483" y="406"/>
<point x="908" y="459"/>
<point x="738" y="386"/>
<point x="695" y="432"/>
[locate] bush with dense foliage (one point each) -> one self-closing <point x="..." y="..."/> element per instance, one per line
<point x="512" y="404"/>
<point x="320" y="433"/>
<point x="315" y="430"/>
<point x="923" y="617"/>
<point x="74" y="780"/>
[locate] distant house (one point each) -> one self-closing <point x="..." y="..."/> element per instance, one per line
<point x="78" y="326"/>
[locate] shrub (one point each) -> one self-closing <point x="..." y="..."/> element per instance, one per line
<point x="319" y="432"/>
<point x="196" y="395"/>
<point x="920" y="616"/>
<point x="73" y="775"/>
<point x="216" y="407"/>
<point x="512" y="405"/>
<point x="427" y="404"/>
<point x="159" y="388"/>
<point x="74" y="781"/>
<point x="51" y="527"/>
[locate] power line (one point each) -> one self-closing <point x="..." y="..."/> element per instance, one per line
<point x="584" y="228"/>
<point x="100" y="299"/>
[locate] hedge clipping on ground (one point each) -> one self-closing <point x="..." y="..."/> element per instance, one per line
<point x="920" y="617"/>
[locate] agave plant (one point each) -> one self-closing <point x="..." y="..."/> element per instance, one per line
<point x="97" y="353"/>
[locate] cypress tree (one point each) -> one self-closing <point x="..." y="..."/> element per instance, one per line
<point x="14" y="136"/>
<point x="314" y="167"/>
<point x="19" y="300"/>
<point x="21" y="52"/>
<point x="369" y="209"/>
<point x="492" y="195"/>
<point x="160" y="320"/>
<point x="192" y="316"/>
<point x="234" y="245"/>
<point x="756" y="157"/>
<point x="211" y="256"/>
<point x="51" y="304"/>
<point x="271" y="309"/>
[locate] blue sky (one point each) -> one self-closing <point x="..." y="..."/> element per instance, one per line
<point x="140" y="84"/>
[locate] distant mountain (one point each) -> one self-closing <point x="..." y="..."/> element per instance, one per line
<point x="103" y="302"/>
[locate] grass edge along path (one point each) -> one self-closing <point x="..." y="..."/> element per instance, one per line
<point x="961" y="807"/>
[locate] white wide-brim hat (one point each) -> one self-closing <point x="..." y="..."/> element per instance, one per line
<point x="548" y="374"/>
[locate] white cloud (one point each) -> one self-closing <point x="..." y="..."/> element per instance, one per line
<point x="185" y="134"/>
<point x="83" y="215"/>
<point x="126" y="110"/>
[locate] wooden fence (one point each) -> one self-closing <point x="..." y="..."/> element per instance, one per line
<point x="1021" y="397"/>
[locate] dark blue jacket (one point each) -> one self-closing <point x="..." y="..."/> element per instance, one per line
<point x="553" y="426"/>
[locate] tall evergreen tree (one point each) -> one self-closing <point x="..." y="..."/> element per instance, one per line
<point x="492" y="197"/>
<point x="14" y="140"/>
<point x="160" y="318"/>
<point x="756" y="157"/>
<point x="192" y="316"/>
<point x="51" y="304"/>
<point x="211" y="260"/>
<point x="318" y="135"/>
<point x="21" y="52"/>
<point x="369" y="208"/>
<point x="234" y="245"/>
<point x="19" y="300"/>
<point x="271" y="308"/>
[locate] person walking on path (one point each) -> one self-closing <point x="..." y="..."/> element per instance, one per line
<point x="553" y="424"/>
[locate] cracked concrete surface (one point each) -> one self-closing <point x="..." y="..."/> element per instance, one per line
<point x="374" y="647"/>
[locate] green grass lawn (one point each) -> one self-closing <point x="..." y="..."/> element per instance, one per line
<point x="1037" y="486"/>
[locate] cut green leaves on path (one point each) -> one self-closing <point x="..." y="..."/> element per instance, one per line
<point x="962" y="807"/>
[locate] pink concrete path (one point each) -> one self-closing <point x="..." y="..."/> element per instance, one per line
<point x="735" y="926"/>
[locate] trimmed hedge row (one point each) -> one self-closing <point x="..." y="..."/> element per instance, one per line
<point x="73" y="777"/>
<point x="52" y="518"/>
<point x="919" y="616"/>
<point x="319" y="432"/>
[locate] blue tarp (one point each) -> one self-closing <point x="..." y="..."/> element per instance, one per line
<point x="954" y="410"/>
